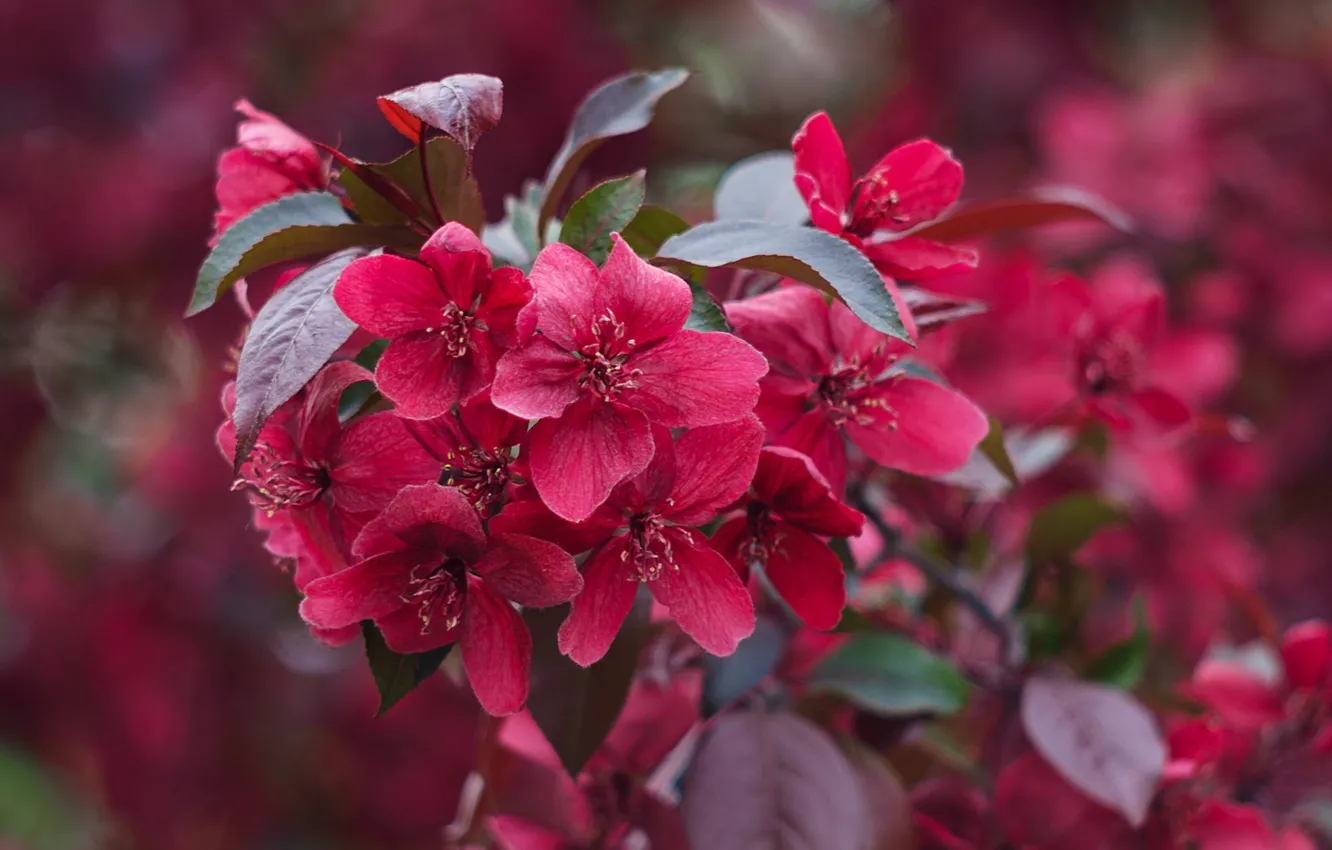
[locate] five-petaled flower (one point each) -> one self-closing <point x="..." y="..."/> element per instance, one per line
<point x="449" y="317"/>
<point x="642" y="536"/>
<point x="476" y="446"/>
<point x="612" y="358"/>
<point x="912" y="185"/>
<point x="1115" y="328"/>
<point x="830" y="375"/>
<point x="428" y="576"/>
<point x="787" y="504"/>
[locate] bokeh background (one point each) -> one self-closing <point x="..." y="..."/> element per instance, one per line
<point x="156" y="687"/>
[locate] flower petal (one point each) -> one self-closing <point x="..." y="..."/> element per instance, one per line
<point x="915" y="258"/>
<point x="417" y="374"/>
<point x="376" y="457"/>
<point x="364" y="591"/>
<point x="792" y="487"/>
<point x="599" y="611"/>
<point x="531" y="517"/>
<point x="389" y="295"/>
<point x="651" y="303"/>
<point x="814" y="436"/>
<point x="1155" y="410"/>
<point x="1306" y="655"/>
<point x="713" y="467"/>
<point x="504" y="298"/>
<point x="789" y="326"/>
<point x="822" y="173"/>
<point x="534" y="573"/>
<point x="579" y="458"/>
<point x="697" y="378"/>
<point x="319" y="423"/>
<point x="704" y="594"/>
<point x="923" y="178"/>
<point x="567" y="294"/>
<point x="425" y="516"/>
<point x="404" y="634"/>
<point x="496" y="650"/>
<point x="923" y="428"/>
<point x="808" y="575"/>
<point x="460" y="262"/>
<point x="536" y="381"/>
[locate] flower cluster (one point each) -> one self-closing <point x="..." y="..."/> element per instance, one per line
<point x="543" y="439"/>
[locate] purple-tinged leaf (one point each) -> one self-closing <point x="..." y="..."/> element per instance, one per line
<point x="762" y="188"/>
<point x="462" y="106"/>
<point x="808" y="255"/>
<point x="617" y="107"/>
<point x="293" y="227"/>
<point x="932" y="311"/>
<point x="773" y="782"/>
<point x="291" y="338"/>
<point x="456" y="194"/>
<point x="1050" y="205"/>
<point x="1100" y="739"/>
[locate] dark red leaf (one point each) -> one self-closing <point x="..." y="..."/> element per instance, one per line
<point x="1050" y="205"/>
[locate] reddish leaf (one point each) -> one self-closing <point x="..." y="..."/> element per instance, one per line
<point x="773" y="782"/>
<point x="462" y="106"/>
<point x="886" y="801"/>
<point x="933" y="312"/>
<point x="1050" y="205"/>
<point x="293" y="336"/>
<point x="1101" y="740"/>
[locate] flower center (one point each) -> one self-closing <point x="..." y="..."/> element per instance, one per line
<point x="610" y="794"/>
<point x="1110" y="364"/>
<point x="649" y="551"/>
<point x="846" y="395"/>
<point x="762" y="539"/>
<point x="481" y="475"/>
<point x="456" y="330"/>
<point x="276" y="483"/>
<point x="439" y="594"/>
<point x="873" y="205"/>
<point x="606" y="372"/>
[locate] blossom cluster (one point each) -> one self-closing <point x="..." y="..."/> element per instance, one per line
<point x="444" y="427"/>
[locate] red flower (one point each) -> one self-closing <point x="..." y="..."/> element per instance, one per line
<point x="428" y="576"/>
<point x="269" y="161"/>
<point x="476" y="446"/>
<point x="611" y="358"/>
<point x="912" y="185"/>
<point x="305" y="458"/>
<point x="448" y="316"/>
<point x="830" y="376"/>
<point x="685" y="484"/>
<point x="788" y="503"/>
<point x="1114" y="327"/>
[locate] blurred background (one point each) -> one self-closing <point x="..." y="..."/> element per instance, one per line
<point x="156" y="687"/>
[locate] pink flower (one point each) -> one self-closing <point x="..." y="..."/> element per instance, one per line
<point x="269" y="161"/>
<point x="1118" y="375"/>
<point x="830" y="377"/>
<point x="610" y="359"/>
<point x="476" y="446"/>
<point x="912" y="185"/>
<point x="449" y="316"/>
<point x="429" y="576"/>
<point x="787" y="504"/>
<point x="641" y="536"/>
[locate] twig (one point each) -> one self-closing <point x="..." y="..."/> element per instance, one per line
<point x="945" y="576"/>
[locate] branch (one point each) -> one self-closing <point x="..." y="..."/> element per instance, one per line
<point x="946" y="577"/>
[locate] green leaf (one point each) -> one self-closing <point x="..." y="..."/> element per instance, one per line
<point x="37" y="813"/>
<point x="617" y="107"/>
<point x="455" y="189"/>
<point x="293" y="227"/>
<point x="888" y="674"/>
<point x="1050" y="205"/>
<point x="812" y="256"/>
<point x="705" y="314"/>
<point x="577" y="706"/>
<point x="727" y="679"/>
<point x="1060" y="529"/>
<point x="1123" y="664"/>
<point x="761" y="188"/>
<point x="397" y="675"/>
<point x="997" y="453"/>
<point x="604" y="209"/>
<point x="651" y="227"/>
<point x="368" y="357"/>
<point x="514" y="239"/>
<point x="292" y="337"/>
